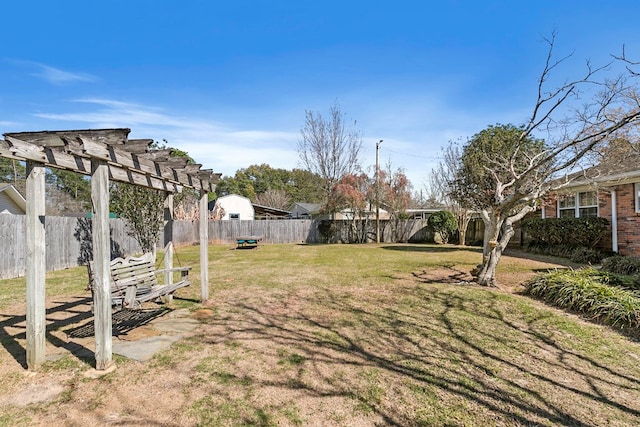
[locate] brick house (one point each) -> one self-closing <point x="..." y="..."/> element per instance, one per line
<point x="609" y="190"/>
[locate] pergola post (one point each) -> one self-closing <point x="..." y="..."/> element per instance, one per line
<point x="168" y="237"/>
<point x="204" y="245"/>
<point x="36" y="264"/>
<point x="101" y="260"/>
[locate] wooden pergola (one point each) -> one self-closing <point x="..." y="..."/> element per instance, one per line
<point x="104" y="155"/>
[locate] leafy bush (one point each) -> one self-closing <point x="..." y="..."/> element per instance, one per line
<point x="590" y="292"/>
<point x="575" y="232"/>
<point x="584" y="255"/>
<point x="621" y="265"/>
<point x="443" y="223"/>
<point x="327" y="229"/>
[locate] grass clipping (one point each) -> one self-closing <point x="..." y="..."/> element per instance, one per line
<point x="589" y="292"/>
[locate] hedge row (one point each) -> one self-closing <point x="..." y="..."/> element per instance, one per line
<point x="591" y="293"/>
<point x="575" y="232"/>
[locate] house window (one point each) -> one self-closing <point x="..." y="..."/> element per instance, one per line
<point x="580" y="205"/>
<point x="567" y="206"/>
<point x="588" y="204"/>
<point x="637" y="196"/>
<point x="234" y="216"/>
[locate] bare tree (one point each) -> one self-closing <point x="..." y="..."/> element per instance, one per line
<point x="442" y="183"/>
<point x="328" y="148"/>
<point x="504" y="185"/>
<point x="278" y="199"/>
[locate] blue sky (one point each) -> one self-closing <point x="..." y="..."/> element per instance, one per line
<point x="229" y="81"/>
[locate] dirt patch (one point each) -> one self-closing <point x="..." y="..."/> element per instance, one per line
<point x="202" y="314"/>
<point x="35" y="391"/>
<point x="450" y="275"/>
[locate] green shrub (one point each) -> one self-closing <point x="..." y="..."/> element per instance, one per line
<point x="566" y="231"/>
<point x="590" y="292"/>
<point x="621" y="265"/>
<point x="443" y="223"/>
<point x="327" y="229"/>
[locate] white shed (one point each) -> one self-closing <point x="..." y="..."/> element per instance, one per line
<point x="235" y="207"/>
<point x="11" y="201"/>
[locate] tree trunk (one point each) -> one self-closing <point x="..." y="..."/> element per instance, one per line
<point x="490" y="249"/>
<point x="497" y="234"/>
<point x="462" y="218"/>
<point x="462" y="237"/>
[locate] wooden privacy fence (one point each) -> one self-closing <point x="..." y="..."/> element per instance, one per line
<point x="68" y="239"/>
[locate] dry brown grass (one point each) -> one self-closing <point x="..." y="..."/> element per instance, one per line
<point x="354" y="335"/>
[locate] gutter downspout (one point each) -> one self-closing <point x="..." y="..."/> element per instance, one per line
<point x="614" y="221"/>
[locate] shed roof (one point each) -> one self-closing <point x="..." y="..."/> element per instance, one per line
<point x="309" y="207"/>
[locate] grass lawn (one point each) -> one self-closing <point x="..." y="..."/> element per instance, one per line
<point x="344" y="335"/>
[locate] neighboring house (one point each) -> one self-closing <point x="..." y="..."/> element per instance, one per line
<point x="306" y="210"/>
<point x="421" y="213"/>
<point x="610" y="190"/>
<point x="312" y="211"/>
<point x="369" y="213"/>
<point x="235" y="207"/>
<point x="11" y="201"/>
<point x="267" y="212"/>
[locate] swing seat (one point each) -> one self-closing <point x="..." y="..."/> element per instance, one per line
<point x="134" y="281"/>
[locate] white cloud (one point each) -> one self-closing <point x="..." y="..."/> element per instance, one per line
<point x="58" y="76"/>
<point x="413" y="131"/>
<point x="55" y="75"/>
<point x="217" y="146"/>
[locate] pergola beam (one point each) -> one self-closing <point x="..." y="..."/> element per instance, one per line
<point x="127" y="161"/>
<point x="60" y="138"/>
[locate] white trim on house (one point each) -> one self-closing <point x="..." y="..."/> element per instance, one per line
<point x="11" y="201"/>
<point x="614" y="221"/>
<point x="607" y="180"/>
<point x="575" y="198"/>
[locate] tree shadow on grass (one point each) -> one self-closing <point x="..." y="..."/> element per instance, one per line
<point x="75" y="319"/>
<point x="65" y="313"/>
<point x="454" y="355"/>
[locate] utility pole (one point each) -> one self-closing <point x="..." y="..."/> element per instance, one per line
<point x="378" y="192"/>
